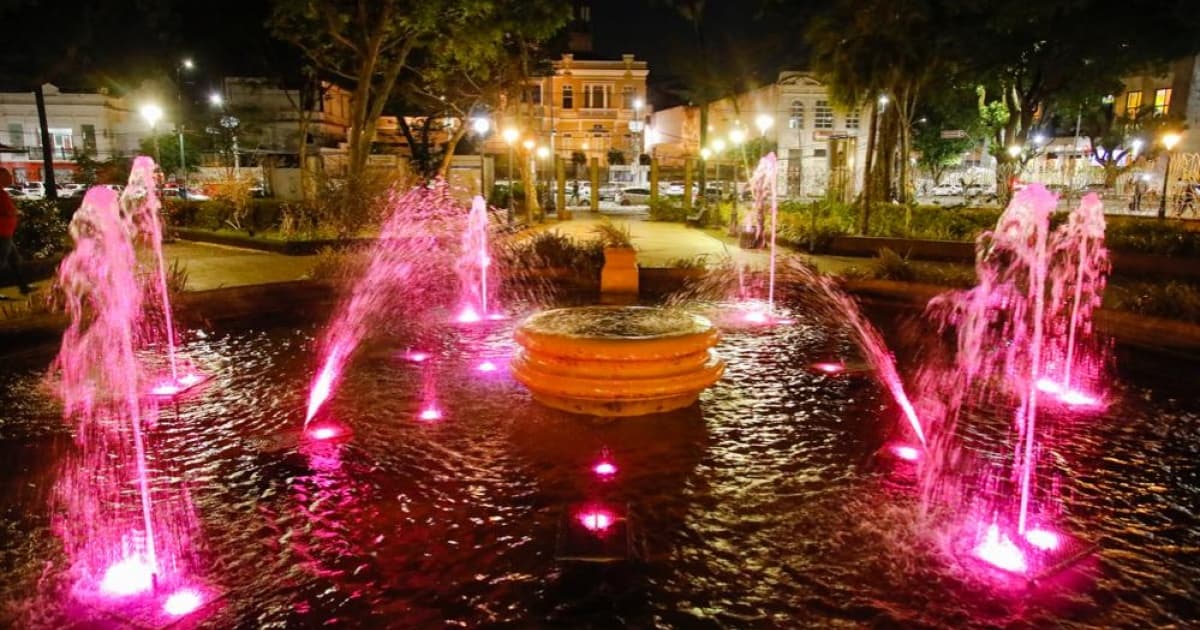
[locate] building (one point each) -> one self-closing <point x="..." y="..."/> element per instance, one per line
<point x="1173" y="94"/>
<point x="589" y="106"/>
<point x="817" y="143"/>
<point x="272" y="115"/>
<point x="93" y="123"/>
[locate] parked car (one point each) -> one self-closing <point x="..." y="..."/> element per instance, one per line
<point x="946" y="190"/>
<point x="34" y="190"/>
<point x="188" y="194"/>
<point x="15" y="192"/>
<point x="71" y="189"/>
<point x="634" y="195"/>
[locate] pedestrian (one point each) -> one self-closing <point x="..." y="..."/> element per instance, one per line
<point x="9" y="256"/>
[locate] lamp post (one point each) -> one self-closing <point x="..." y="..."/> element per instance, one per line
<point x="185" y="64"/>
<point x="510" y="136"/>
<point x="530" y="191"/>
<point x="152" y="113"/>
<point x="1169" y="141"/>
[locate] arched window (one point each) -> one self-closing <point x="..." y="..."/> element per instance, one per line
<point x="796" y="116"/>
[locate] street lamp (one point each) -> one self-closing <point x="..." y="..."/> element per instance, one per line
<point x="705" y="153"/>
<point x="510" y="136"/>
<point x="718" y="145"/>
<point x="481" y="125"/>
<point x="215" y="100"/>
<point x="1137" y="146"/>
<point x="763" y="122"/>
<point x="883" y="101"/>
<point x="152" y="114"/>
<point x="543" y="152"/>
<point x="185" y="64"/>
<point x="1169" y="141"/>
<point x="1014" y="151"/>
<point x="737" y="136"/>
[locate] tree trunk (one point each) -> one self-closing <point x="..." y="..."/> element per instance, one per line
<point x="448" y="154"/>
<point x="869" y="172"/>
<point x="47" y="147"/>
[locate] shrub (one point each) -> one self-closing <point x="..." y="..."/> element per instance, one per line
<point x="813" y="226"/>
<point x="1172" y="300"/>
<point x="613" y="235"/>
<point x="339" y="264"/>
<point x="663" y="209"/>
<point x="891" y="266"/>
<point x="41" y="229"/>
<point x="1152" y="236"/>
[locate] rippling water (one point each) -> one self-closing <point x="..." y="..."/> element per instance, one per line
<point x="754" y="509"/>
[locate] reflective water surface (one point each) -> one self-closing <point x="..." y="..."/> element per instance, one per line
<point x="755" y="509"/>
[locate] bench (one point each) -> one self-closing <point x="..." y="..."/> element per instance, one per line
<point x="698" y="217"/>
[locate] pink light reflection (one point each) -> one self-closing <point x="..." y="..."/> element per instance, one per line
<point x="829" y="367"/>
<point x="190" y="379"/>
<point x="417" y="356"/>
<point x="1049" y="386"/>
<point x="1079" y="399"/>
<point x="182" y="602"/>
<point x="130" y="576"/>
<point x="165" y="389"/>
<point x="596" y="520"/>
<point x="496" y="317"/>
<point x="1000" y="551"/>
<point x="486" y="366"/>
<point x="429" y="414"/>
<point x="605" y="469"/>
<point x="755" y="317"/>
<point x="906" y="453"/>
<point x="1043" y="539"/>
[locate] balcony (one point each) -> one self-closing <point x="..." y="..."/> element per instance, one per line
<point x="597" y="112"/>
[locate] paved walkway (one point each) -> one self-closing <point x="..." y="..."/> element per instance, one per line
<point x="659" y="245"/>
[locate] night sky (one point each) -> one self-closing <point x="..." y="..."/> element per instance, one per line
<point x="229" y="37"/>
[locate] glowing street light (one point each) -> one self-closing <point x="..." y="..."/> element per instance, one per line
<point x="705" y="153"/>
<point x="763" y="122"/>
<point x="187" y="64"/>
<point x="510" y="135"/>
<point x="718" y="145"/>
<point x="543" y="152"/>
<point x="1014" y="151"/>
<point x="1137" y="146"/>
<point x="481" y="125"/>
<point x="737" y="136"/>
<point x="152" y="113"/>
<point x="883" y="101"/>
<point x="1169" y="140"/>
<point x="215" y="100"/>
<point x="528" y="144"/>
<point x="1039" y="139"/>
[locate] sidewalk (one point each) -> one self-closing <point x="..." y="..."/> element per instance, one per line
<point x="216" y="266"/>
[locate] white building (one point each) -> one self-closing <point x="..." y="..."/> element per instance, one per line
<point x="815" y="140"/>
<point x="95" y="123"/>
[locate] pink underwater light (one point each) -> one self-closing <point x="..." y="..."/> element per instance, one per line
<point x="429" y="414"/>
<point x="605" y="468"/>
<point x="1043" y="539"/>
<point x="130" y="576"/>
<point x="324" y="433"/>
<point x="486" y="366"/>
<point x="596" y="520"/>
<point x="182" y="602"/>
<point x="905" y="452"/>
<point x="829" y="367"/>
<point x="468" y="316"/>
<point x="417" y="356"/>
<point x="999" y="550"/>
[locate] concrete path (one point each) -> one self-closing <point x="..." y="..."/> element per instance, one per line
<point x="659" y="244"/>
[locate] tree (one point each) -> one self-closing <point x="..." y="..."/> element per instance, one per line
<point x="1034" y="61"/>
<point x="368" y="45"/>
<point x="166" y="154"/>
<point x="467" y="72"/>
<point x="616" y="157"/>
<point x="1119" y="143"/>
<point x="948" y="111"/>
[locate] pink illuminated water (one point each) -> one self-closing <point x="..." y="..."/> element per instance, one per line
<point x="473" y="263"/>
<point x="829" y="367"/>
<point x="140" y="203"/>
<point x="429" y="414"/>
<point x="324" y="433"/>
<point x="406" y="264"/>
<point x="486" y="366"/>
<point x="1043" y="539"/>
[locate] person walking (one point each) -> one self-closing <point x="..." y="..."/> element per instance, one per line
<point x="9" y="256"/>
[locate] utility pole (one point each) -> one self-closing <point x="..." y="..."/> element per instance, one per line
<point x="47" y="146"/>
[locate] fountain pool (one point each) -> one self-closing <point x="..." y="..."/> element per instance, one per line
<point x="754" y="509"/>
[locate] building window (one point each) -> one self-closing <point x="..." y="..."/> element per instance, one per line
<point x="595" y="96"/>
<point x="852" y="119"/>
<point x="1162" y="101"/>
<point x="89" y="139"/>
<point x="796" y="117"/>
<point x="568" y="97"/>
<point x="64" y="146"/>
<point x="1133" y="102"/>
<point x="627" y="96"/>
<point x="532" y="94"/>
<point x="16" y="135"/>
<point x="823" y="116"/>
<point x="819" y="153"/>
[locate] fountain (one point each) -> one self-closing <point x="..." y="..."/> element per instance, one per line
<point x="1020" y="335"/>
<point x="764" y="189"/>
<point x="616" y="361"/>
<point x="140" y="205"/>
<point x="473" y="264"/>
<point x="126" y="556"/>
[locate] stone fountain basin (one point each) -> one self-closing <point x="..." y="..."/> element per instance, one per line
<point x="616" y="361"/>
